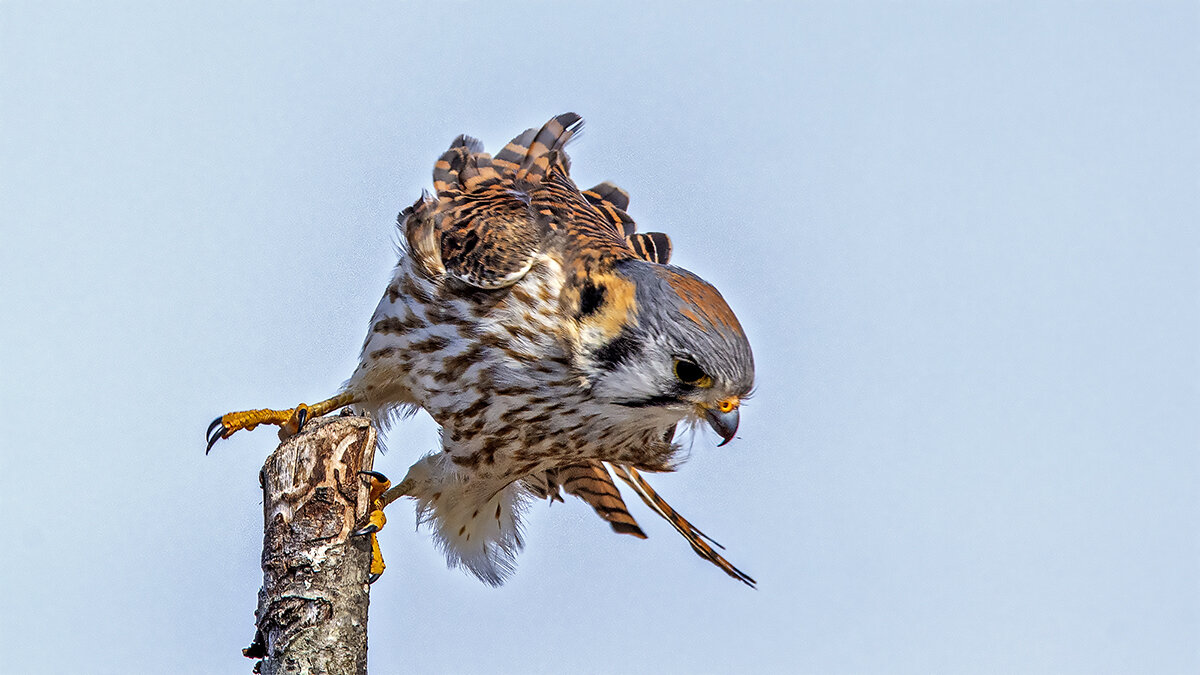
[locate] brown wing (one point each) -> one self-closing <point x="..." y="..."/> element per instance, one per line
<point x="487" y="233"/>
<point x="694" y="536"/>
<point x="610" y="194"/>
<point x="493" y="215"/>
<point x="611" y="201"/>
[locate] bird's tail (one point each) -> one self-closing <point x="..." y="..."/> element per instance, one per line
<point x="477" y="524"/>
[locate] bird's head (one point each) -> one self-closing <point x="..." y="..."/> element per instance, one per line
<point x="677" y="351"/>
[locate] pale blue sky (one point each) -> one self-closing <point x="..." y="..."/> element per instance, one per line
<point x="962" y="238"/>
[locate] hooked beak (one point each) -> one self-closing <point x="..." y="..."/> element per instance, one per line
<point x="723" y="419"/>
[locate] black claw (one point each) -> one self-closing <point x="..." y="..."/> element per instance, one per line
<point x="216" y="431"/>
<point x="366" y="530"/>
<point x="301" y="418"/>
<point x="372" y="578"/>
<point x="374" y="474"/>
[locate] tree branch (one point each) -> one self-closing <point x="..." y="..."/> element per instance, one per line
<point x="312" y="608"/>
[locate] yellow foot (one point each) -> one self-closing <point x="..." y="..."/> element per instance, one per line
<point x="290" y="421"/>
<point x="375" y="521"/>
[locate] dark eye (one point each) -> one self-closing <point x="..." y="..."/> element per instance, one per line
<point x="690" y="373"/>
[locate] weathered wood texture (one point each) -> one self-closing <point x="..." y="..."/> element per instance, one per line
<point x="312" y="608"/>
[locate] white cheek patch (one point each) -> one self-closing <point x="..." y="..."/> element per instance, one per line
<point x="628" y="382"/>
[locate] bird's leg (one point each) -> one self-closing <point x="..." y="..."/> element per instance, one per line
<point x="290" y="421"/>
<point x="382" y="494"/>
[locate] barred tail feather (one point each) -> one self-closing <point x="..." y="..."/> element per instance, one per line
<point x="592" y="483"/>
<point x="652" y="246"/>
<point x="694" y="536"/>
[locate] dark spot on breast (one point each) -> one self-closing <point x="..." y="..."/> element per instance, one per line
<point x="475" y="409"/>
<point x="521" y="295"/>
<point x="490" y="447"/>
<point x="469" y="461"/>
<point x="430" y="344"/>
<point x="456" y="366"/>
<point x="397" y="325"/>
<point x="590" y="299"/>
<point x="623" y="348"/>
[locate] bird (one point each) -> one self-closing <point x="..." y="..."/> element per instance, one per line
<point x="555" y="345"/>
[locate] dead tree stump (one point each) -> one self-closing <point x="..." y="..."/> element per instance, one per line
<point x="312" y="608"/>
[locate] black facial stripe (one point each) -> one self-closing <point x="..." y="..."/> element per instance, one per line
<point x="590" y="299"/>
<point x="621" y="349"/>
<point x="651" y="402"/>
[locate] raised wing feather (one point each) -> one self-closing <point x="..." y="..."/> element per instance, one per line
<point x="611" y="201"/>
<point x="487" y="233"/>
<point x="491" y="215"/>
<point x="608" y="193"/>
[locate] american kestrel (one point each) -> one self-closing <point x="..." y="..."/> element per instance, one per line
<point x="555" y="346"/>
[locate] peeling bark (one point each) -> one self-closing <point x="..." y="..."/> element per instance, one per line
<point x="312" y="608"/>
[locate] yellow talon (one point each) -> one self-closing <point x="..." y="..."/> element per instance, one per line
<point x="379" y="485"/>
<point x="375" y="521"/>
<point x="294" y="422"/>
<point x="377" y="565"/>
<point x="382" y="494"/>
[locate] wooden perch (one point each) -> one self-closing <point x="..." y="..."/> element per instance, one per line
<point x="312" y="608"/>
